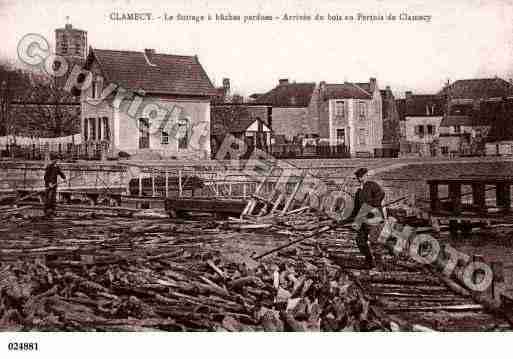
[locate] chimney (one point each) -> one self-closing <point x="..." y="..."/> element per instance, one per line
<point x="68" y="26"/>
<point x="322" y="89"/>
<point x="226" y="84"/>
<point x="148" y="53"/>
<point x="372" y="83"/>
<point x="283" y="82"/>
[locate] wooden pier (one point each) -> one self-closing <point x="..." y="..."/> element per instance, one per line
<point x="468" y="200"/>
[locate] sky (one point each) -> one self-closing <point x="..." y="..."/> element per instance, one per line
<point x="463" y="39"/>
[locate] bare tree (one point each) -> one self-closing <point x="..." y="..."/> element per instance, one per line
<point x="45" y="109"/>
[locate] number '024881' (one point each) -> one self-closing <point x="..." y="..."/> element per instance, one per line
<point x="22" y="346"/>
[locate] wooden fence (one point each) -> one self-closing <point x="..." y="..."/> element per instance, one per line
<point x="62" y="151"/>
<point x="309" y="151"/>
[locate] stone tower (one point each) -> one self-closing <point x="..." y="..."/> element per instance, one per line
<point x="70" y="42"/>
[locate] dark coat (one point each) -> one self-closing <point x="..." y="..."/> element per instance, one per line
<point x="372" y="194"/>
<point x="51" y="173"/>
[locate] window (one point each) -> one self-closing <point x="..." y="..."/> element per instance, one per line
<point x="86" y="129"/>
<point x="106" y="129"/>
<point x="93" y="89"/>
<point x="362" y="134"/>
<point x="92" y="123"/>
<point x="183" y="133"/>
<point x="419" y="130"/>
<point x="445" y="150"/>
<point x="164" y="137"/>
<point x="457" y="129"/>
<point x="144" y="133"/>
<point x="362" y="106"/>
<point x="339" y="109"/>
<point x="430" y="130"/>
<point x="96" y="87"/>
<point x="100" y="124"/>
<point x="341" y="136"/>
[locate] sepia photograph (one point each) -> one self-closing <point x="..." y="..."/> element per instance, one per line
<point x="269" y="166"/>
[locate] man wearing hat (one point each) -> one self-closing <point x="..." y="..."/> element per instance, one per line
<point x="51" y="173"/>
<point x="371" y="194"/>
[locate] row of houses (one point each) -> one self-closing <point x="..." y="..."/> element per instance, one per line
<point x="467" y="117"/>
<point x="362" y="119"/>
<point x="166" y="106"/>
<point x="356" y="116"/>
<point x="359" y="117"/>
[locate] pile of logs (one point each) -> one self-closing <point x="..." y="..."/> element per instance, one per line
<point x="162" y="276"/>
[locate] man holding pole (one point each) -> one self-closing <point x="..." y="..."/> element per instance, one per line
<point x="51" y="173"/>
<point x="368" y="217"/>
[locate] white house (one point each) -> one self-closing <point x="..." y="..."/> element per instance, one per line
<point x="351" y="115"/>
<point x="423" y="116"/>
<point x="146" y="102"/>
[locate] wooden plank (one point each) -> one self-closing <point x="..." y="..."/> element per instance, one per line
<point x="293" y="195"/>
<point x="11" y="210"/>
<point x="433" y="197"/>
<point x="152" y="184"/>
<point x="167" y="183"/>
<point x="436" y="308"/>
<point x="224" y="206"/>
<point x="455" y="196"/>
<point x="277" y="202"/>
<point x="478" y="196"/>
<point x="72" y="207"/>
<point x="503" y="195"/>
<point x="180" y="189"/>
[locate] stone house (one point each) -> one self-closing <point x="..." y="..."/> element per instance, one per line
<point x="248" y="122"/>
<point x="464" y="122"/>
<point x="351" y="115"/>
<point x="391" y="123"/>
<point x="147" y="103"/>
<point x="294" y="109"/>
<point x="422" y="115"/>
<point x="348" y="114"/>
<point x="499" y="139"/>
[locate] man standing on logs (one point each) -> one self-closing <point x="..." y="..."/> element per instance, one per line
<point x="371" y="194"/>
<point x="51" y="173"/>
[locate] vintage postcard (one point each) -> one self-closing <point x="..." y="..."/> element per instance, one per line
<point x="270" y="166"/>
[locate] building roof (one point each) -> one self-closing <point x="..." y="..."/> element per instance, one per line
<point x="501" y="120"/>
<point x="345" y="91"/>
<point x="483" y="114"/>
<point x="401" y="108"/>
<point x="220" y="95"/>
<point x="456" y="120"/>
<point x="423" y="105"/>
<point x="364" y="85"/>
<point x="242" y="124"/>
<point x="237" y="125"/>
<point x="157" y="73"/>
<point x="478" y="89"/>
<point x="288" y="95"/>
<point x="233" y="118"/>
<point x="387" y="97"/>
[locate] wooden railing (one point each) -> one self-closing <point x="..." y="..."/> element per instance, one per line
<point x="63" y="151"/>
